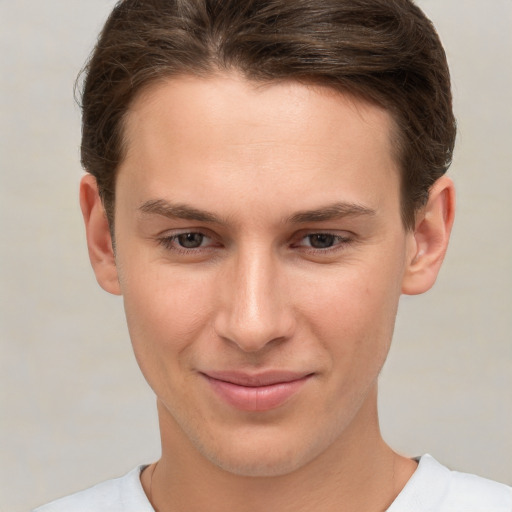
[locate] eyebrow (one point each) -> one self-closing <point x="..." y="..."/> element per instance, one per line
<point x="331" y="212"/>
<point x="326" y="213"/>
<point x="178" y="211"/>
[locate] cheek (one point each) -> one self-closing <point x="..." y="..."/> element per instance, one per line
<point x="166" y="312"/>
<point x="352" y="312"/>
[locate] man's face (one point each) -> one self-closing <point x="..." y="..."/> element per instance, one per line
<point x="260" y="253"/>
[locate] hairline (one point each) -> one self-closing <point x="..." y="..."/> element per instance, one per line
<point x="395" y="135"/>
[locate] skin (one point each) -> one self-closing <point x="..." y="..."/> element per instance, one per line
<point x="296" y="260"/>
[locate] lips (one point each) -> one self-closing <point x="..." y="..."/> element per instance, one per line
<point x="256" y="392"/>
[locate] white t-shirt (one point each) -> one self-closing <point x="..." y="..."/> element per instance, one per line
<point x="432" y="488"/>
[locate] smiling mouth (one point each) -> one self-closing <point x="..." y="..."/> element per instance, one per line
<point x="256" y="393"/>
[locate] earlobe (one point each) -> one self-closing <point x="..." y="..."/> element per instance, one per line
<point x="429" y="240"/>
<point x="99" y="240"/>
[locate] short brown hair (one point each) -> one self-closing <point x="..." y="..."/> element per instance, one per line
<point x="384" y="51"/>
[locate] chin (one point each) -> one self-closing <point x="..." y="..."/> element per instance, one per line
<point x="257" y="466"/>
<point x="265" y="456"/>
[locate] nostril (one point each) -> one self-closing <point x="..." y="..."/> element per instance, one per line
<point x="253" y="312"/>
<point x="256" y="333"/>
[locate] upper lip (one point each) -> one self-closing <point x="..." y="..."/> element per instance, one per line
<point x="265" y="378"/>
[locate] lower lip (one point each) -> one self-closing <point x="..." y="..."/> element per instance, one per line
<point x="258" y="398"/>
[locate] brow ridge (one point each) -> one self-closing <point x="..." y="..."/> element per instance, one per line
<point x="182" y="211"/>
<point x="331" y="212"/>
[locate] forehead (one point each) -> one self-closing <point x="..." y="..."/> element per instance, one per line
<point x="230" y="98"/>
<point x="225" y="133"/>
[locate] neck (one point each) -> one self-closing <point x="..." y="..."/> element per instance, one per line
<point x="358" y="472"/>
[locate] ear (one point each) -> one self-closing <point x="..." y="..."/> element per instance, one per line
<point x="429" y="240"/>
<point x="99" y="240"/>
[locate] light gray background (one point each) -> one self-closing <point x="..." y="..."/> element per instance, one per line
<point x="74" y="409"/>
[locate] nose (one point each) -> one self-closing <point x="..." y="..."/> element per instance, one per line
<point x="254" y="304"/>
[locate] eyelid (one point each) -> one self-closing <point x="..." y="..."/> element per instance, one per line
<point x="343" y="238"/>
<point x="168" y="240"/>
<point x="170" y="233"/>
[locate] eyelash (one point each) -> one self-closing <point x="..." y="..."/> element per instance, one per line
<point x="171" y="243"/>
<point x="339" y="243"/>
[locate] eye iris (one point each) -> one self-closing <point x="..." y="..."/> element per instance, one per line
<point x="190" y="240"/>
<point x="321" y="241"/>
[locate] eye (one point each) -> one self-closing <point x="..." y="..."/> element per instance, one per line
<point x="321" y="240"/>
<point x="186" y="241"/>
<point x="190" y="240"/>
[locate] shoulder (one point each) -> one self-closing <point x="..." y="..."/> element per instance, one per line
<point x="473" y="493"/>
<point x="123" y="494"/>
<point x="434" y="488"/>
